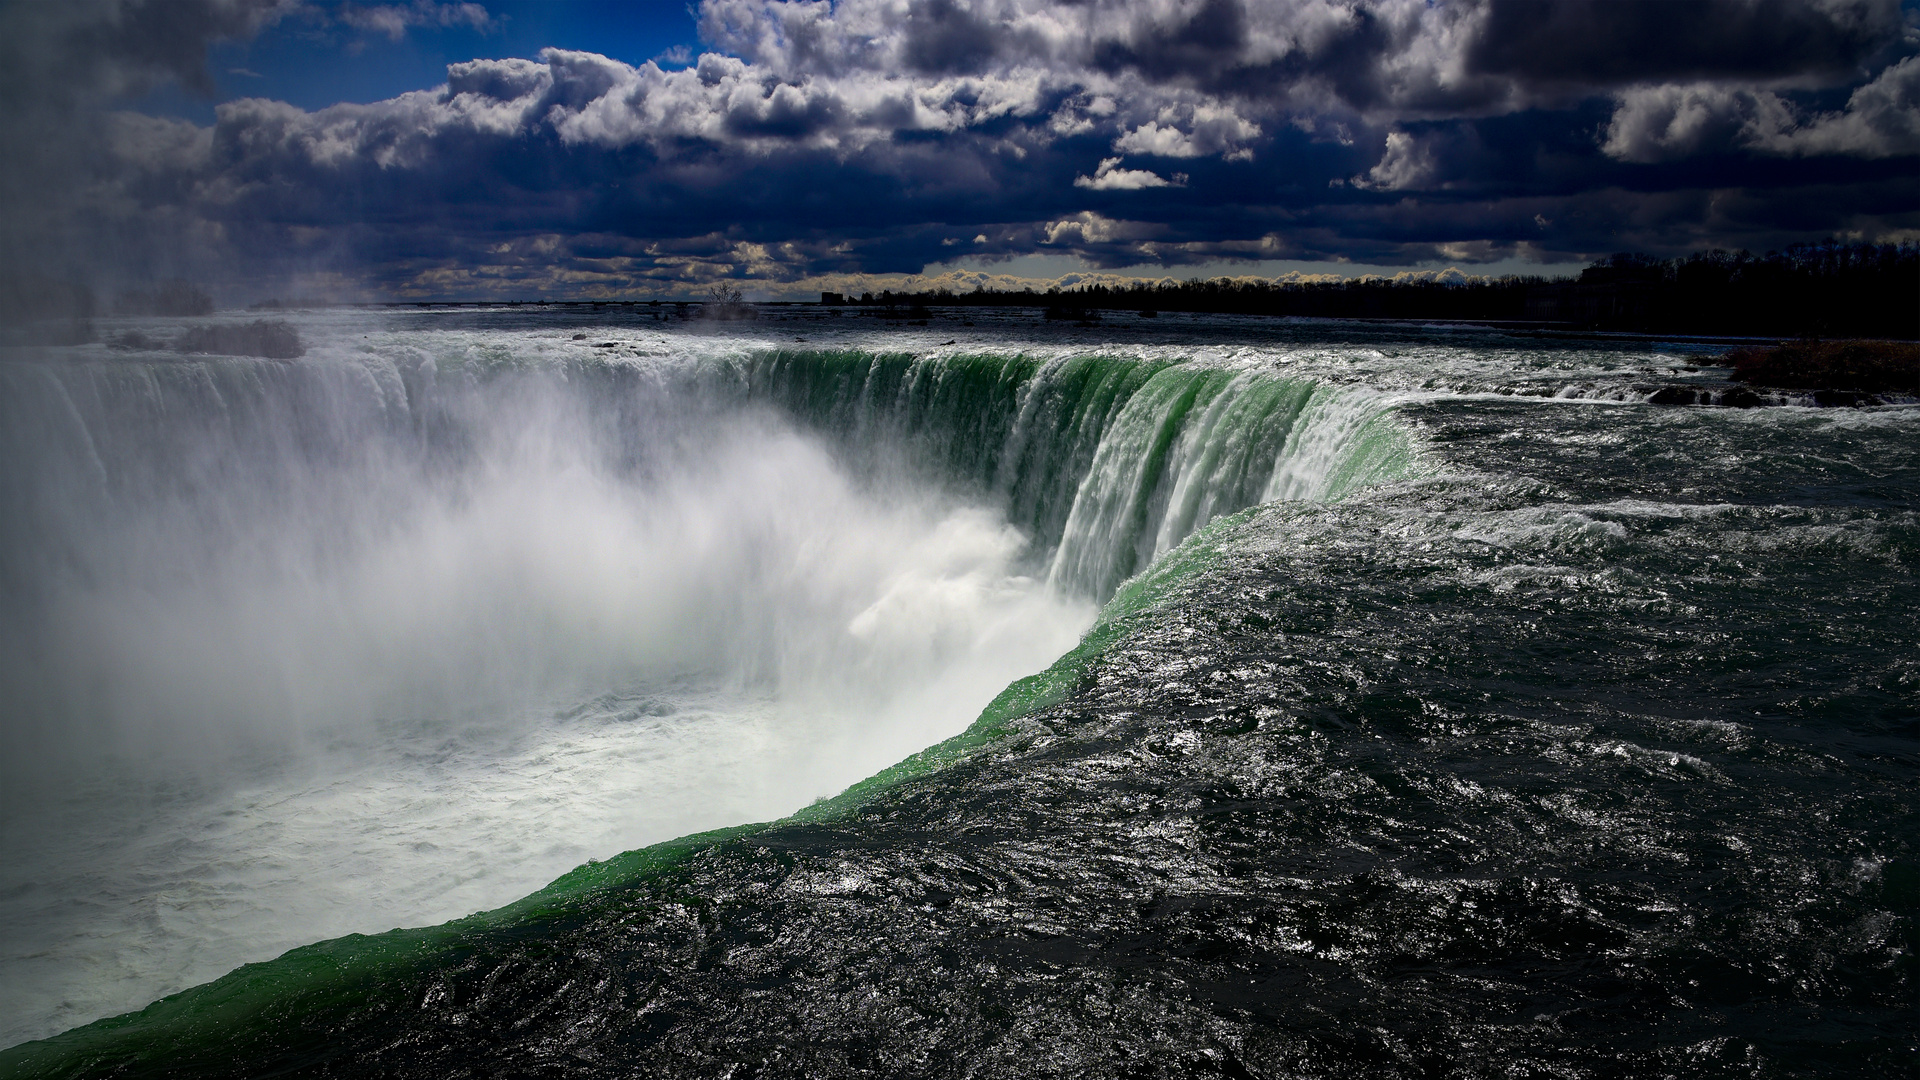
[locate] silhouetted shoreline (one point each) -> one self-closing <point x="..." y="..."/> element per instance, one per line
<point x="1868" y="367"/>
<point x="1827" y="290"/>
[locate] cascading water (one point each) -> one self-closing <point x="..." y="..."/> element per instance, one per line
<point x="1581" y="745"/>
<point x="1105" y="463"/>
<point x="408" y="627"/>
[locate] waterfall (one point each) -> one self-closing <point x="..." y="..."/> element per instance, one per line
<point x="380" y="607"/>
<point x="1105" y="462"/>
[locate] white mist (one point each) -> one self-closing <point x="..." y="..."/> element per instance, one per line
<point x="362" y="679"/>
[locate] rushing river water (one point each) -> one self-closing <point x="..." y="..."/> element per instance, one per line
<point x="1409" y="701"/>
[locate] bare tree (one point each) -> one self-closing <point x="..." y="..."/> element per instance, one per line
<point x="725" y="301"/>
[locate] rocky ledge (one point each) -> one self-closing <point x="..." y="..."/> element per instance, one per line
<point x="1837" y="373"/>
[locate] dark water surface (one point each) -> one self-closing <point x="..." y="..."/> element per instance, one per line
<point x="1584" y="745"/>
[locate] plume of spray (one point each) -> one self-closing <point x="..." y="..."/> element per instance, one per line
<point x="382" y="637"/>
<point x="226" y="554"/>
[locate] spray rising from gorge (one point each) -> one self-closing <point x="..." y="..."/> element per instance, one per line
<point x="435" y="616"/>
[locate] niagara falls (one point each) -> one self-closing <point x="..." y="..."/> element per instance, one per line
<point x="964" y="538"/>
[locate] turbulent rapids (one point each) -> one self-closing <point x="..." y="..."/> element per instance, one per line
<point x="1252" y="698"/>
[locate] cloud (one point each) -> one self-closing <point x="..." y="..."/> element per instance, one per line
<point x="1613" y="42"/>
<point x="1111" y="177"/>
<point x="810" y="138"/>
<point x="1311" y="55"/>
<point x="394" y="20"/>
<point x="1881" y="119"/>
<point x="1193" y="130"/>
<point x="1407" y="163"/>
<point x="1662" y="123"/>
<point x="1089" y="227"/>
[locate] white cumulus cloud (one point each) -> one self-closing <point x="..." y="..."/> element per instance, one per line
<point x="1111" y="177"/>
<point x="1407" y="163"/>
<point x="1663" y="123"/>
<point x="1203" y="130"/>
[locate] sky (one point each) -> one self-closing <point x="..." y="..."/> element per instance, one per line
<point x="522" y="150"/>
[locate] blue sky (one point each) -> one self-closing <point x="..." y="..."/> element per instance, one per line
<point x="316" y="62"/>
<point x="440" y="148"/>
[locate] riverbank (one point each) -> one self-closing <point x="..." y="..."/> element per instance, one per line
<point x="1872" y="367"/>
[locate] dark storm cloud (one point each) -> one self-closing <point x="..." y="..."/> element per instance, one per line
<point x="943" y="38"/>
<point x="876" y="136"/>
<point x="1612" y="42"/>
<point x="1227" y="47"/>
<point x="1192" y="44"/>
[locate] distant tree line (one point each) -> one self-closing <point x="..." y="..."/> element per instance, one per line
<point x="1478" y="298"/>
<point x="1827" y="289"/>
